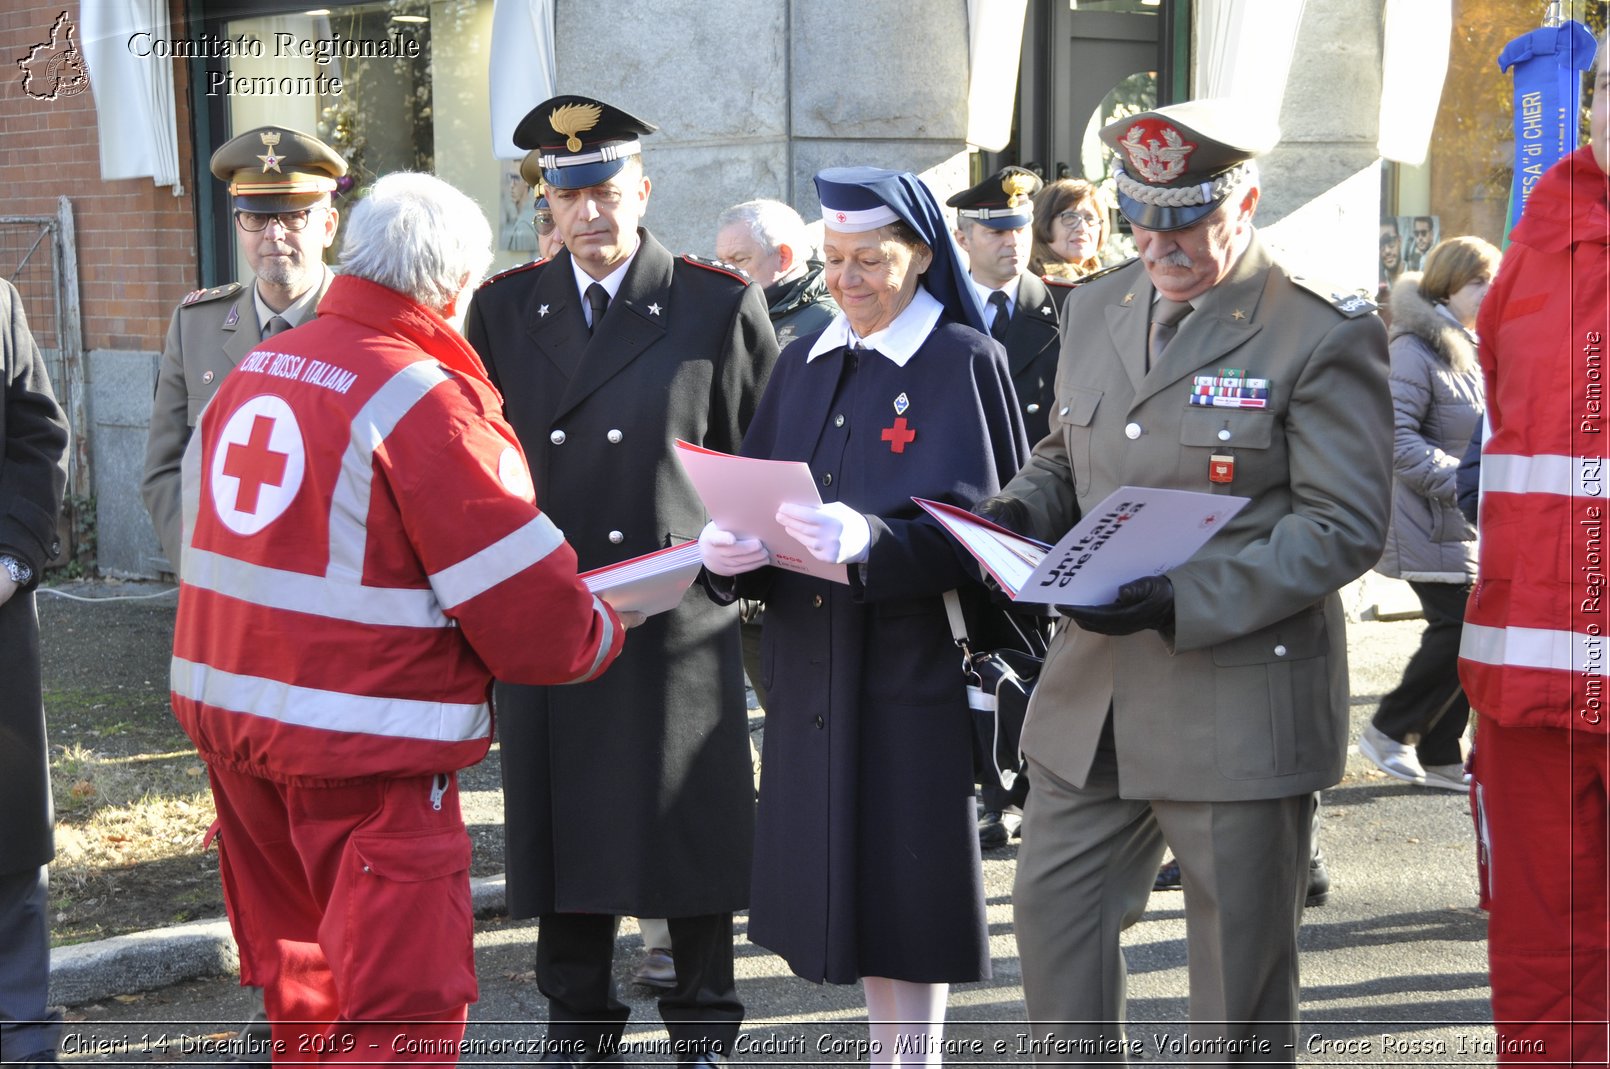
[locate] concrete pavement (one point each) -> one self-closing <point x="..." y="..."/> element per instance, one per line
<point x="1394" y="967"/>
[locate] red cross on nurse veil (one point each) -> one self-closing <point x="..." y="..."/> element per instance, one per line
<point x="257" y="465"/>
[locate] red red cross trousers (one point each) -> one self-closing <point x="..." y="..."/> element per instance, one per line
<point x="898" y="436"/>
<point x="255" y="464"/>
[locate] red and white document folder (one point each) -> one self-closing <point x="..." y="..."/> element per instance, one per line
<point x="741" y="494"/>
<point x="1135" y="531"/>
<point x="648" y="584"/>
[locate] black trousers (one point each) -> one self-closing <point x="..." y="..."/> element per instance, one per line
<point x="1428" y="704"/>
<point x="575" y="958"/>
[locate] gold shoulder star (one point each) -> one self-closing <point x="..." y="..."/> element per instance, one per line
<point x="1238" y="314"/>
<point x="654" y="309"/>
<point x="1129" y="298"/>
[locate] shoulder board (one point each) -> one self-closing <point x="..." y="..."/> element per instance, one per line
<point x="1350" y="304"/>
<point x="203" y="296"/>
<point x="513" y="271"/>
<point x="1092" y="276"/>
<point x="720" y="267"/>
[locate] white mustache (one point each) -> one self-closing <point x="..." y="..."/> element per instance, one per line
<point x="1177" y="258"/>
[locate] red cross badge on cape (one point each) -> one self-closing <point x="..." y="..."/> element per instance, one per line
<point x="258" y="465"/>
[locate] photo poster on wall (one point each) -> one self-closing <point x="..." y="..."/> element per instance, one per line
<point x="516" y="201"/>
<point x="1405" y="242"/>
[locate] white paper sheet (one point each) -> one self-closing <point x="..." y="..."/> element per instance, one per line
<point x="1135" y="531"/>
<point x="652" y="583"/>
<point x="742" y="494"/>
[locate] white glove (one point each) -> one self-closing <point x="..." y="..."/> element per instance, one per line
<point x="833" y="533"/>
<point x="724" y="553"/>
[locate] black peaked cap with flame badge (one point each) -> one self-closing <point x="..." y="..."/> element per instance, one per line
<point x="576" y="141"/>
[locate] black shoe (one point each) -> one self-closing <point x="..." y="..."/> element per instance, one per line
<point x="997" y="827"/>
<point x="704" y="1058"/>
<point x="565" y="1059"/>
<point x="254" y="1043"/>
<point x="1318" y="881"/>
<point x="1168" y="877"/>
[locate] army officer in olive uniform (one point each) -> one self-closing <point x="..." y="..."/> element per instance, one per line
<point x="280" y="181"/>
<point x="1203" y="707"/>
<point x="632" y="794"/>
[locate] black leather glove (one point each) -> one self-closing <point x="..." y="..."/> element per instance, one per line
<point x="1144" y="603"/>
<point x="1003" y="511"/>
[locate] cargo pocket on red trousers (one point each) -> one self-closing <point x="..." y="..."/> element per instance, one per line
<point x="399" y="933"/>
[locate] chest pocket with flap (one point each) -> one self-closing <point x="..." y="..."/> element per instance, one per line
<point x="1074" y="415"/>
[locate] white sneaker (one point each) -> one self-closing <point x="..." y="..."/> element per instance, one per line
<point x="1392" y="757"/>
<point x="1447" y="777"/>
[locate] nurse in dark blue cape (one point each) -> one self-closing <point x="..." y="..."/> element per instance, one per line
<point x="866" y="851"/>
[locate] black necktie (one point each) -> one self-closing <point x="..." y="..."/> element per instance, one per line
<point x="598" y="301"/>
<point x="997" y="329"/>
<point x="275" y="325"/>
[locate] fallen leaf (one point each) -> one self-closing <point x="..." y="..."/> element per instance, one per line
<point x="125" y="999"/>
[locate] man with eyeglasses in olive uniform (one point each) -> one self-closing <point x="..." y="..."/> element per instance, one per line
<point x="280" y="181"/>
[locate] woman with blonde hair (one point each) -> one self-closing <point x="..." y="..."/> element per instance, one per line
<point x="1071" y="225"/>
<point x="1437" y="401"/>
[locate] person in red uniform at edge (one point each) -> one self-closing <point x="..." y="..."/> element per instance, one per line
<point x="1533" y="656"/>
<point x="362" y="553"/>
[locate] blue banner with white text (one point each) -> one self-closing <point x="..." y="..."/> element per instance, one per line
<point x="1548" y="98"/>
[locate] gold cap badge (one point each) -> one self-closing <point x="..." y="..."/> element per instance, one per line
<point x="573" y="119"/>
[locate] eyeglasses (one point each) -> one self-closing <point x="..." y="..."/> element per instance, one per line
<point x="1419" y="233"/>
<point x="1079" y="220"/>
<point x="255" y="222"/>
<point x="542" y="220"/>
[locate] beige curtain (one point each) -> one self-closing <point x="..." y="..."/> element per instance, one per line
<point x="1244" y="50"/>
<point x="1414" y="62"/>
<point x="995" y="41"/>
<point x="522" y="70"/>
<point x="134" y="107"/>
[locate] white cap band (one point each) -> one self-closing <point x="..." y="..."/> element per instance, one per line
<point x="846" y="222"/>
<point x="618" y="151"/>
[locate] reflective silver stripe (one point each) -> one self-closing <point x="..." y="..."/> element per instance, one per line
<point x="509" y="555"/>
<point x="276" y="588"/>
<point x="359" y="714"/>
<point x="1507" y="473"/>
<point x="1532" y="647"/>
<point x="373" y="423"/>
<point x="604" y="643"/>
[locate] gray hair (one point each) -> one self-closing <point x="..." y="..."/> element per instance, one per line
<point x="773" y="224"/>
<point x="418" y="235"/>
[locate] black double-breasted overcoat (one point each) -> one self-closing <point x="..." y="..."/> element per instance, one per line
<point x="632" y="794"/>
<point x="33" y="474"/>
<point x="1032" y="342"/>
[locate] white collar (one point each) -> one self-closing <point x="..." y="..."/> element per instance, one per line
<point x="611" y="282"/>
<point x="298" y="313"/>
<point x="1010" y="289"/>
<point x="898" y="341"/>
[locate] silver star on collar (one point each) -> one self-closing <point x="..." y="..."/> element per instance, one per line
<point x="542" y="311"/>
<point x="654" y="309"/>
